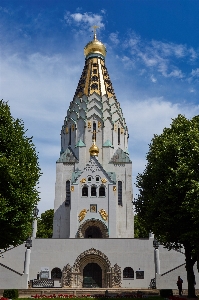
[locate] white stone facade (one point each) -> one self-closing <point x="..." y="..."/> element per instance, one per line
<point x="93" y="223"/>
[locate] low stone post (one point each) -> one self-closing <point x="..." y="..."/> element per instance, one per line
<point x="157" y="256"/>
<point x="34" y="223"/>
<point x="28" y="245"/>
<point x="157" y="261"/>
<point x="34" y="228"/>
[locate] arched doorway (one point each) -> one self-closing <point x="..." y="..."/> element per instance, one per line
<point x="93" y="232"/>
<point x="86" y="265"/>
<point x="92" y="276"/>
<point x="93" y="228"/>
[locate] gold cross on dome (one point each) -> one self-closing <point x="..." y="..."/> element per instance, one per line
<point x="95" y="27"/>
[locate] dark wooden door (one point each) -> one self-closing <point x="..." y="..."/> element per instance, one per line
<point x="92" y="276"/>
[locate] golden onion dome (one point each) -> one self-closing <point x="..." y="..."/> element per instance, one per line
<point x="94" y="150"/>
<point x="95" y="47"/>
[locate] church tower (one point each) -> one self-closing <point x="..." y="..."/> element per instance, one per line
<point x="93" y="191"/>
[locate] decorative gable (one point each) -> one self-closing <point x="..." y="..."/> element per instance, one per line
<point x="120" y="157"/>
<point x="67" y="157"/>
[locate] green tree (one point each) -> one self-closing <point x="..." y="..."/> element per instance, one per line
<point x="139" y="229"/>
<point x="45" y="224"/>
<point x="168" y="200"/>
<point x="19" y="175"/>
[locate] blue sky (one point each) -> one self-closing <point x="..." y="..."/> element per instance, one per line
<point x="152" y="59"/>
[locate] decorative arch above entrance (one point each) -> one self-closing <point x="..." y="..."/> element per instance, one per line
<point x="93" y="228"/>
<point x="82" y="274"/>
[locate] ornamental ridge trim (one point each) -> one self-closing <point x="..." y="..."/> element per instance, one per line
<point x="91" y="251"/>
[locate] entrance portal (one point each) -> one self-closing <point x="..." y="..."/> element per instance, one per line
<point x="93" y="232"/>
<point x="92" y="276"/>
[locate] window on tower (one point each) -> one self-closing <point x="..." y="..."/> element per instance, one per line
<point x="69" y="142"/>
<point x="94" y="78"/>
<point x="119" y="193"/>
<point x="93" y="191"/>
<point x="94" y="131"/>
<point x="118" y="136"/>
<point x="94" y="86"/>
<point x="85" y="191"/>
<point x="68" y="194"/>
<point x="102" y="191"/>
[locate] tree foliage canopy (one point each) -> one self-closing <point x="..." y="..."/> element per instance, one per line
<point x="139" y="229"/>
<point x="168" y="203"/>
<point x="45" y="224"/>
<point x="19" y="175"/>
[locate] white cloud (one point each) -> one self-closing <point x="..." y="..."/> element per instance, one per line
<point x="165" y="58"/>
<point x="114" y="38"/>
<point x="153" y="79"/>
<point x="84" y="19"/>
<point x="146" y="117"/>
<point x="176" y="73"/>
<point x="39" y="89"/>
<point x="195" y="73"/>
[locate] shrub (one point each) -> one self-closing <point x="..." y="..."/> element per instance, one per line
<point x="11" y="294"/>
<point x="166" y="293"/>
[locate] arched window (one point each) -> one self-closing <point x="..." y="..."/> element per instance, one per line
<point x="94" y="86"/>
<point x="67" y="202"/>
<point x="128" y="273"/>
<point x="85" y="191"/>
<point x="69" y="143"/>
<point x="93" y="191"/>
<point x="119" y="192"/>
<point x="56" y="273"/>
<point x="102" y="191"/>
<point x="118" y="136"/>
<point x="94" y="131"/>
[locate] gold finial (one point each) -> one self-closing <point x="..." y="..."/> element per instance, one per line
<point x="95" y="27"/>
<point x="95" y="46"/>
<point x="94" y="150"/>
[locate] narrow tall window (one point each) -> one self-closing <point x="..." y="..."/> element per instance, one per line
<point x="118" y="136"/>
<point x="93" y="191"/>
<point x="85" y="191"/>
<point x="119" y="192"/>
<point x="102" y="191"/>
<point x="69" y="136"/>
<point x="67" y="202"/>
<point x="94" y="131"/>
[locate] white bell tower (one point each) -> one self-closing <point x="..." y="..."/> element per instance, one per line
<point x="93" y="192"/>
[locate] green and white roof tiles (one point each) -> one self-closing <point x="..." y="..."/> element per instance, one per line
<point x="67" y="156"/>
<point x="103" y="107"/>
<point x="120" y="157"/>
